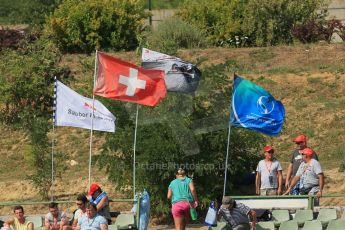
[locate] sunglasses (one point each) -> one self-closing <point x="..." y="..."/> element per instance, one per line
<point x="79" y="204"/>
<point x="298" y="143"/>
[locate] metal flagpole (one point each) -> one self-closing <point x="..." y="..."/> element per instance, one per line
<point x="227" y="157"/>
<point x="134" y="147"/>
<point x="53" y="139"/>
<point x="91" y="131"/>
<point x="227" y="149"/>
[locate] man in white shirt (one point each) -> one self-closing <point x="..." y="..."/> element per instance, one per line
<point x="269" y="177"/>
<point x="310" y="176"/>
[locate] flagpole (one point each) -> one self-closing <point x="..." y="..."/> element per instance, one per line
<point x="227" y="147"/>
<point x="134" y="147"/>
<point x="53" y="140"/>
<point x="91" y="131"/>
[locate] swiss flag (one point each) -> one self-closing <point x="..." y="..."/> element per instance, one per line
<point x="120" y="80"/>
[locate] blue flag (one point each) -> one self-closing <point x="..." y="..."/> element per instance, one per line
<point x="255" y="108"/>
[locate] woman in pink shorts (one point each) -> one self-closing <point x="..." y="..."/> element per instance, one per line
<point x="183" y="195"/>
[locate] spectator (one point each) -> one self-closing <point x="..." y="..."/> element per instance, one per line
<point x="236" y="215"/>
<point x="296" y="160"/>
<point x="183" y="195"/>
<point x="309" y="175"/>
<point x="93" y="220"/>
<point x="78" y="213"/>
<point x="100" y="199"/>
<point x="269" y="177"/>
<point x="19" y="222"/>
<point x="55" y="219"/>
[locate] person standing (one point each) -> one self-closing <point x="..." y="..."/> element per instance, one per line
<point x="183" y="196"/>
<point x="19" y="222"/>
<point x="310" y="176"/>
<point x="236" y="215"/>
<point x="269" y="177"/>
<point x="100" y="199"/>
<point x="296" y="160"/>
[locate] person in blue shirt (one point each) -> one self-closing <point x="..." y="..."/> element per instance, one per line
<point x="183" y="196"/>
<point x="92" y="221"/>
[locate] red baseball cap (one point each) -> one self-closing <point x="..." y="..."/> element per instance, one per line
<point x="307" y="152"/>
<point x="300" y="138"/>
<point x="93" y="188"/>
<point x="268" y="148"/>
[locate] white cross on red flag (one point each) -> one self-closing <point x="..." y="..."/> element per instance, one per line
<point x="120" y="80"/>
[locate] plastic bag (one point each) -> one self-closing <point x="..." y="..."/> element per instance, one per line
<point x="144" y="210"/>
<point x="211" y="217"/>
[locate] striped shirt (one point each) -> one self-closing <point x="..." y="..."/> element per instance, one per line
<point x="235" y="216"/>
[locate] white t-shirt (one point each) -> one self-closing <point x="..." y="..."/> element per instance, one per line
<point x="309" y="173"/>
<point x="269" y="173"/>
<point x="79" y="213"/>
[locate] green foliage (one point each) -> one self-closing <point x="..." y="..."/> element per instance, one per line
<point x="221" y="19"/>
<point x="40" y="157"/>
<point x="173" y="34"/>
<point x="26" y="81"/>
<point x="26" y="86"/>
<point x="163" y="4"/>
<point x="184" y="130"/>
<point x="96" y="24"/>
<point x="268" y="22"/>
<point x="26" y="11"/>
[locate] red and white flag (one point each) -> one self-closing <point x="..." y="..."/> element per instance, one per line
<point x="120" y="80"/>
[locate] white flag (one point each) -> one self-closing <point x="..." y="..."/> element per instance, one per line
<point x="72" y="109"/>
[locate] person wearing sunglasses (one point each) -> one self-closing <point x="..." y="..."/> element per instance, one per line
<point x="79" y="212"/>
<point x="295" y="162"/>
<point x="269" y="177"/>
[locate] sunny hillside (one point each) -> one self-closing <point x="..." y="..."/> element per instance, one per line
<point x="309" y="80"/>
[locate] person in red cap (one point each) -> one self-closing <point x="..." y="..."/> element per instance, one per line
<point x="309" y="174"/>
<point x="100" y="199"/>
<point x="296" y="160"/>
<point x="269" y="177"/>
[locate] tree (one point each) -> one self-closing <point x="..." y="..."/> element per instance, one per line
<point x="268" y="22"/>
<point x="84" y="26"/>
<point x="26" y="11"/>
<point x="26" y="86"/>
<point x="184" y="130"/>
<point x="220" y="20"/>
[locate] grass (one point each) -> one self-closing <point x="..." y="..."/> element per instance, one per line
<point x="286" y="70"/>
<point x="261" y="55"/>
<point x="314" y="80"/>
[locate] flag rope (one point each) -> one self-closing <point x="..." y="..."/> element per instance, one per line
<point x="227" y="149"/>
<point x="53" y="139"/>
<point x="91" y="130"/>
<point x="134" y="147"/>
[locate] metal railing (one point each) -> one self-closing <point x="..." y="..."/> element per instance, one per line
<point x="311" y="198"/>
